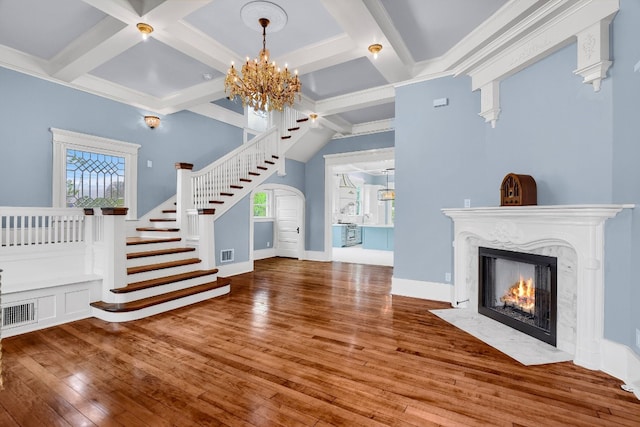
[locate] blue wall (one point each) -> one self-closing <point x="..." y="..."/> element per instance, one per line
<point x="580" y="146"/>
<point x="622" y="293"/>
<point x="262" y="235"/>
<point x="314" y="180"/>
<point x="32" y="106"/>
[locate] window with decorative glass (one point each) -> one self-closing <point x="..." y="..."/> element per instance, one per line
<point x="91" y="171"/>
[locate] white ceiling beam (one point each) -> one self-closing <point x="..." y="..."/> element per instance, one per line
<point x="356" y="20"/>
<point x="219" y="113"/>
<point x="110" y="37"/>
<point x="193" y="96"/>
<point x="321" y="55"/>
<point x="390" y="31"/>
<point x="187" y="39"/>
<point x="356" y="100"/>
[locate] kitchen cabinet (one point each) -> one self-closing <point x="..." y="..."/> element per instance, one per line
<point x="377" y="237"/>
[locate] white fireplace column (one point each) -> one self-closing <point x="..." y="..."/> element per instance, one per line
<point x="530" y="228"/>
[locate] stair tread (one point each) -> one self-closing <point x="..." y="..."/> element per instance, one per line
<point x="149" y="240"/>
<point x="150" y="283"/>
<point x="274" y="156"/>
<point x="162" y="220"/>
<point x="135" y="255"/>
<point x="226" y="194"/>
<point x="264" y="168"/>
<point x="269" y="162"/>
<point x="163" y="265"/>
<point x="238" y="187"/>
<point x="254" y="173"/>
<point x="156" y="229"/>
<point x="159" y="299"/>
<point x="285" y="137"/>
<point x="294" y="128"/>
<point x="169" y="211"/>
<point x="304" y="119"/>
<point x="217" y="202"/>
<point x="245" y="180"/>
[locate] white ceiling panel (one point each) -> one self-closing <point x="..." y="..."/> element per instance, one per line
<point x="154" y="68"/>
<point x="369" y="114"/>
<point x="44" y="28"/>
<point x="430" y="28"/>
<point x="355" y="75"/>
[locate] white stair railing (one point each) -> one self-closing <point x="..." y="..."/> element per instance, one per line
<point x="216" y="179"/>
<point x="33" y="227"/>
<point x="289" y="120"/>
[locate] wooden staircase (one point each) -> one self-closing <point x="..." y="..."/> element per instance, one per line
<point x="162" y="272"/>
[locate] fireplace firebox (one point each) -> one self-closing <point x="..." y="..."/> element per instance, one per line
<point x="519" y="289"/>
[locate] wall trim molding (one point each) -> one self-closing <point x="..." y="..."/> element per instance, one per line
<point x="621" y="362"/>
<point x="235" y="268"/>
<point x="433" y="291"/>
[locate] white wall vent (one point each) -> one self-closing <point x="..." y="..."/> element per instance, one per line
<point x="23" y="313"/>
<point x="226" y="255"/>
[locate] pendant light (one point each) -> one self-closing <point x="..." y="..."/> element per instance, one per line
<point x="387" y="193"/>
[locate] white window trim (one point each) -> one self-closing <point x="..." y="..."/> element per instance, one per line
<point x="270" y="216"/>
<point x="64" y="140"/>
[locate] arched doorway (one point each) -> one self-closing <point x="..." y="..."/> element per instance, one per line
<point x="277" y="229"/>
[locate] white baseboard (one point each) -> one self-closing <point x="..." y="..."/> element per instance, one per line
<point x="317" y="256"/>
<point x="264" y="253"/>
<point x="226" y="270"/>
<point x="621" y="362"/>
<point x="424" y="290"/>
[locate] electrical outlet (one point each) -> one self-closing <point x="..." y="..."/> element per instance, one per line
<point x="467" y="203"/>
<point x="268" y="244"/>
<point x="638" y="338"/>
<point x="447" y="277"/>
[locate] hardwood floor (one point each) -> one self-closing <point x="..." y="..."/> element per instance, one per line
<point x="294" y="343"/>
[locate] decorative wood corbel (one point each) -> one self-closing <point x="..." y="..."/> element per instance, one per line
<point x="593" y="53"/>
<point x="490" y="102"/>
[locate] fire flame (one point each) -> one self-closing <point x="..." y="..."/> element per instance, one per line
<point x="521" y="295"/>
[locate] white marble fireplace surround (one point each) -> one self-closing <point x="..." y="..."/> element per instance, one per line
<point x="572" y="234"/>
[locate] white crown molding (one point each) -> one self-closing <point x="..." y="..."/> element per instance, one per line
<point x="586" y="20"/>
<point x="368" y="128"/>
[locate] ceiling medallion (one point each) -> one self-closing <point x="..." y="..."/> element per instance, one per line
<point x="262" y="85"/>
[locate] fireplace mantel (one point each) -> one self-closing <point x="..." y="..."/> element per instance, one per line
<point x="532" y="228"/>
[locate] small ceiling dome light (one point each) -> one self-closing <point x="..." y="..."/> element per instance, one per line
<point x="145" y="30"/>
<point x="314" y="120"/>
<point x="152" y="121"/>
<point x="375" y="49"/>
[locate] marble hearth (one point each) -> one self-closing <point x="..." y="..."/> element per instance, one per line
<point x="572" y="234"/>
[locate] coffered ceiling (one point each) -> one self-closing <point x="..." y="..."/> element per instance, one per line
<point x="93" y="45"/>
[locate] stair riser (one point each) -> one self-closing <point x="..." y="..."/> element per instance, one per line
<point x="163" y="289"/>
<point x="152" y="246"/>
<point x="163" y="272"/>
<point x="160" y="308"/>
<point x="162" y="224"/>
<point x="159" y="234"/>
<point x="136" y="262"/>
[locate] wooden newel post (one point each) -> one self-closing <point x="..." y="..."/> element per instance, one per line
<point x="207" y="246"/>
<point x="115" y="253"/>
<point x="184" y="200"/>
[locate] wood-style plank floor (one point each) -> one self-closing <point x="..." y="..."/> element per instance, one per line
<point x="295" y="343"/>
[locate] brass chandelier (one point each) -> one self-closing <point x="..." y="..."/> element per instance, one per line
<point x="262" y="85"/>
